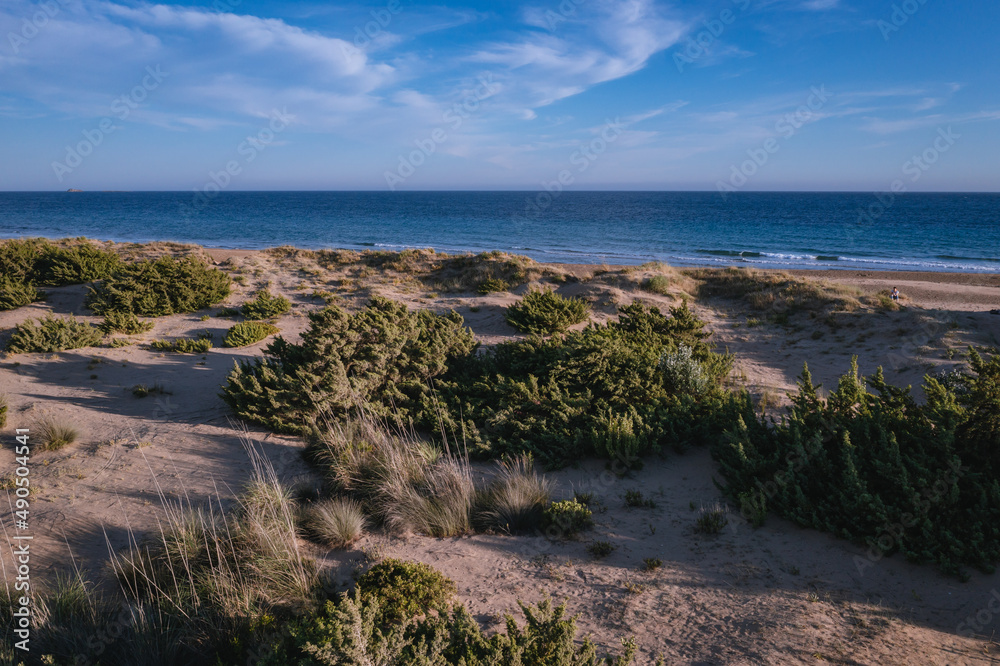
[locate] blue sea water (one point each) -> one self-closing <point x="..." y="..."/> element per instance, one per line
<point x="932" y="232"/>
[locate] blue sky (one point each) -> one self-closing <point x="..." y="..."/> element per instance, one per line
<point x="598" y="94"/>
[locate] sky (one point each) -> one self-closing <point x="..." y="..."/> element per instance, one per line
<point x="399" y="95"/>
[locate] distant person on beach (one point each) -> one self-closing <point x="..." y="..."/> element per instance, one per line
<point x="895" y="294"/>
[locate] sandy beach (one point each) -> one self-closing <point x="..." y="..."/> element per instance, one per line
<point x="777" y="594"/>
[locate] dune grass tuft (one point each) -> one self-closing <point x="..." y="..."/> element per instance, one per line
<point x="336" y="523"/>
<point x="51" y="434"/>
<point x="516" y="499"/>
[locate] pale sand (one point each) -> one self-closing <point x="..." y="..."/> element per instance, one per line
<point x="778" y="594"/>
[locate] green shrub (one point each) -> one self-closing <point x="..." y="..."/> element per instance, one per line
<point x="634" y="499"/>
<point x="880" y="469"/>
<point x="600" y="549"/>
<point x="248" y="333"/>
<point x="348" y="632"/>
<point x="380" y="360"/>
<point x="38" y="261"/>
<point x="491" y="285"/>
<point x="15" y="294"/>
<point x="265" y="306"/>
<point x="19" y="258"/>
<point x="183" y="345"/>
<point x="621" y="436"/>
<point x="651" y="563"/>
<point x="161" y="287"/>
<point x="546" y="313"/>
<point x="124" y="322"/>
<point x="753" y="507"/>
<point x="404" y="590"/>
<point x="228" y="312"/>
<point x="598" y="390"/>
<point x="76" y="264"/>
<point x="4" y="407"/>
<point x="658" y="284"/>
<point x="336" y="523"/>
<point x="567" y="518"/>
<point x="52" y="334"/>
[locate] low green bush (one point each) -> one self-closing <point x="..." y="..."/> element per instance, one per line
<point x="658" y="284"/>
<point x="124" y="322"/>
<point x="52" y="334"/>
<point x="380" y="360"/>
<point x="4" y="407"/>
<point x="183" y="345"/>
<point x="265" y="306"/>
<point x="39" y="261"/>
<point x="404" y="590"/>
<point x="14" y="294"/>
<point x="76" y="264"/>
<point x="348" y="632"/>
<point x="567" y="518"/>
<point x="601" y="549"/>
<point x="879" y="468"/>
<point x="160" y="287"/>
<point x="546" y="313"/>
<point x="248" y="333"/>
<point x="491" y="285"/>
<point x="599" y="390"/>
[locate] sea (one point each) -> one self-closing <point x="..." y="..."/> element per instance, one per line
<point x="792" y="230"/>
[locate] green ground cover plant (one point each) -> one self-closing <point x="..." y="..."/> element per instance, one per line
<point x="124" y="322"/>
<point x="160" y="287"/>
<point x="248" y="333"/>
<point x="28" y="263"/>
<point x="380" y="360"/>
<point x="596" y="391"/>
<point x="265" y="305"/>
<point x="183" y="345"/>
<point x="878" y="468"/>
<point x="546" y="313"/>
<point x="52" y="334"/>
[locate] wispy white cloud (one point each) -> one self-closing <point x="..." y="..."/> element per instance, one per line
<point x="601" y="41"/>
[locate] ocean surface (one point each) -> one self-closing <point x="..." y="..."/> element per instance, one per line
<point x="929" y="232"/>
